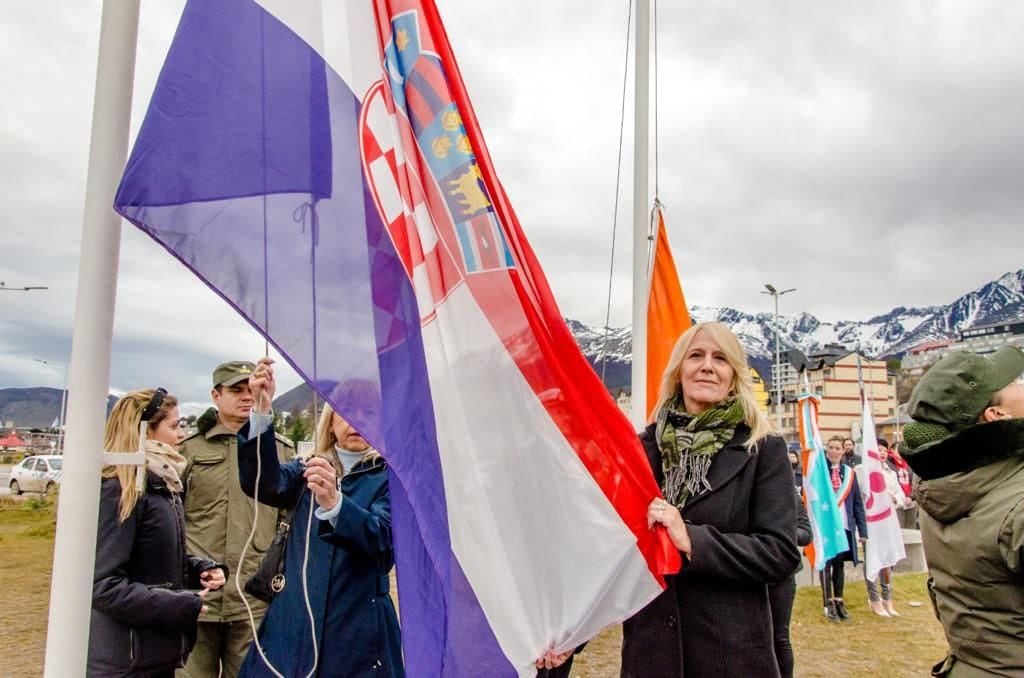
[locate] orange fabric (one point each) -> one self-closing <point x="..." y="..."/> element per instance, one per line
<point x="667" y="314"/>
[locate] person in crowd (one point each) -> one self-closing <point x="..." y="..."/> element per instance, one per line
<point x="908" y="514"/>
<point x="851" y="505"/>
<point x="967" y="445"/>
<point x="219" y="518"/>
<point x="782" y="595"/>
<point x="798" y="471"/>
<point x="728" y="507"/>
<point x="850" y="456"/>
<point x="880" y="592"/>
<point x="144" y="600"/>
<point x="344" y="529"/>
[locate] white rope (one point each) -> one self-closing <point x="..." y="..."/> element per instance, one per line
<point x="305" y="564"/>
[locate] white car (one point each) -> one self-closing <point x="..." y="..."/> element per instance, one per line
<point x="36" y="474"/>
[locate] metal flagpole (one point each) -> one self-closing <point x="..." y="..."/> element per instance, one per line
<point x="777" y="375"/>
<point x="641" y="281"/>
<point x="67" y="636"/>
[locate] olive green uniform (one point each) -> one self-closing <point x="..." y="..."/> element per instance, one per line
<point x="218" y="521"/>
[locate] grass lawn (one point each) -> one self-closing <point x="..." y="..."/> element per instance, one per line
<point x="26" y="542"/>
<point x="865" y="646"/>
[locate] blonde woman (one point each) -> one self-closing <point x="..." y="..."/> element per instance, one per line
<point x="345" y="485"/>
<point x="147" y="592"/>
<point x="728" y="507"/>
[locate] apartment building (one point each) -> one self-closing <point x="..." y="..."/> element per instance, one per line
<point x="832" y="374"/>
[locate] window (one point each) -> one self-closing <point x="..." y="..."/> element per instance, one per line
<point x="28" y="464"/>
<point x="55" y="464"/>
<point x="40" y="465"/>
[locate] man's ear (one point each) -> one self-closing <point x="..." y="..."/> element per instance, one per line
<point x="992" y="413"/>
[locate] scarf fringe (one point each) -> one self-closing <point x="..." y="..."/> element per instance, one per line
<point x="689" y="478"/>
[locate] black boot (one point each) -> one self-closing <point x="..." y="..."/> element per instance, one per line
<point x="830" y="611"/>
<point x="841" y="611"/>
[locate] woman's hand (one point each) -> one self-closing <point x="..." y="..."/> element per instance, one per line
<point x="663" y="513"/>
<point x="212" y="579"/>
<point x="552" y="659"/>
<point x="262" y="385"/>
<point x="323" y="481"/>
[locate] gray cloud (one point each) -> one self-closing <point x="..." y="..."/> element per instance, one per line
<point x="868" y="154"/>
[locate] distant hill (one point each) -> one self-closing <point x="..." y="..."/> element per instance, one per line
<point x="298" y="398"/>
<point x="36" y="407"/>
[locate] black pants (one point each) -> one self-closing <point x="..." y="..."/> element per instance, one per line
<point x="780" y="597"/>
<point x="833" y="577"/>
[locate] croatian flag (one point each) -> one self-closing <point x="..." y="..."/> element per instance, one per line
<point x="823" y="510"/>
<point x="334" y="187"/>
<point x="884" y="547"/>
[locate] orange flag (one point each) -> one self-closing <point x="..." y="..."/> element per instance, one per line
<point x="667" y="315"/>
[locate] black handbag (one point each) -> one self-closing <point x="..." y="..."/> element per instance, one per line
<point x="269" y="579"/>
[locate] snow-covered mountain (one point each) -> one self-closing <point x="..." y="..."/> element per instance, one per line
<point x="886" y="335"/>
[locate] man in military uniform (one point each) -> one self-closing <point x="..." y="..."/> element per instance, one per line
<point x="967" y="444"/>
<point x="218" y="520"/>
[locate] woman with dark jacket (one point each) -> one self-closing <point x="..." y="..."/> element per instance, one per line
<point x="144" y="599"/>
<point x="851" y="505"/>
<point x="344" y="529"/>
<point x="781" y="595"/>
<point x="728" y="508"/>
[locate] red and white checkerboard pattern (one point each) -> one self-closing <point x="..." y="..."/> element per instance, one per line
<point x="404" y="205"/>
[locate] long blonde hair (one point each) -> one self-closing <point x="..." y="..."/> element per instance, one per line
<point x="326" y="440"/>
<point x="122" y="435"/>
<point x="742" y="386"/>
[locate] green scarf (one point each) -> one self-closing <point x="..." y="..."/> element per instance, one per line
<point x="689" y="442"/>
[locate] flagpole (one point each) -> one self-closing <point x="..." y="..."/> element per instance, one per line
<point x="641" y="282"/>
<point x="67" y="636"/>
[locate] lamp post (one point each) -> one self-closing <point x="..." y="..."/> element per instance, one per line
<point x="63" y="402"/>
<point x="775" y="294"/>
<point x="25" y="288"/>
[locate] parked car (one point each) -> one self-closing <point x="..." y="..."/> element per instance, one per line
<point x="36" y="474"/>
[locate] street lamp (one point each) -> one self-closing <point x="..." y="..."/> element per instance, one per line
<point x="28" y="288"/>
<point x="63" y="402"/>
<point x="775" y="294"/>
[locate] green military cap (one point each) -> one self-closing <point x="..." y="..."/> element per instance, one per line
<point x="956" y="390"/>
<point x="231" y="373"/>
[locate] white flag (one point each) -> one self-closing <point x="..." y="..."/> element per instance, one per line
<point x="885" y="538"/>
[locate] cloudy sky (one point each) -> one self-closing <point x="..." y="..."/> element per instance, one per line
<point x="867" y="153"/>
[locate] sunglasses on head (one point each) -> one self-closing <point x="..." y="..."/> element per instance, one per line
<point x="154" y="404"/>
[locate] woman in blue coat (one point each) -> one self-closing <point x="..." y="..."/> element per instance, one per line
<point x="349" y="550"/>
<point x="851" y="506"/>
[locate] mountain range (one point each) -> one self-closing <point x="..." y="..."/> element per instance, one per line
<point x="889" y="335"/>
<point x="37" y="407"/>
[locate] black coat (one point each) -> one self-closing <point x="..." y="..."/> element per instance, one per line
<point x="714" y="618"/>
<point x="143" y="621"/>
